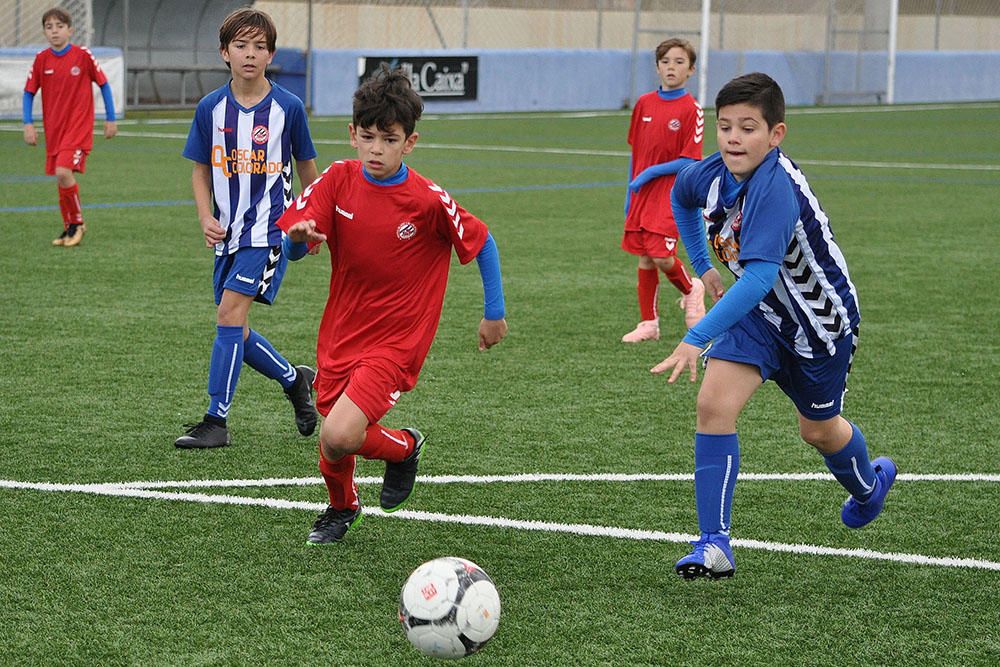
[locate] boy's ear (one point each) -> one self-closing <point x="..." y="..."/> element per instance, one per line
<point x="410" y="142"/>
<point x="222" y="52"/>
<point x="777" y="134"/>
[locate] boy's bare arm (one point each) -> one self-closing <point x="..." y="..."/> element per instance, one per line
<point x="30" y="136"/>
<point x="110" y="129"/>
<point x="201" y="184"/>
<point x="307" y="172"/>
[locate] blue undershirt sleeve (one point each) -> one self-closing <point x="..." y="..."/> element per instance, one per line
<point x="26" y="102"/>
<point x="628" y="191"/>
<point x="109" y="103"/>
<point x="657" y="170"/>
<point x="294" y="251"/>
<point x="488" y="260"/>
<point x="692" y="231"/>
<point x="757" y="280"/>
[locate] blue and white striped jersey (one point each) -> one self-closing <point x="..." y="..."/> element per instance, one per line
<point x="250" y="152"/>
<point x="775" y="216"/>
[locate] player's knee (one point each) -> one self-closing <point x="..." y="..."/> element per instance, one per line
<point x="714" y="415"/>
<point x="817" y="434"/>
<point x="64" y="177"/>
<point x="337" y="442"/>
<point x="664" y="263"/>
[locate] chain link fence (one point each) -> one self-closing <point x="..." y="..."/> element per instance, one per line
<point x="612" y="24"/>
<point x="21" y="21"/>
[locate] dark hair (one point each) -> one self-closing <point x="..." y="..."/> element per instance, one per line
<point x="386" y="98"/>
<point x="668" y="44"/>
<point x="758" y="90"/>
<point x="59" y="14"/>
<point x="248" y="20"/>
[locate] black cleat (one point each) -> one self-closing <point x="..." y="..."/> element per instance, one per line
<point x="300" y="394"/>
<point x="332" y="525"/>
<point x="203" y="435"/>
<point x="399" y="477"/>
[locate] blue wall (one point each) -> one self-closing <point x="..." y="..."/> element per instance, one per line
<point x="591" y="79"/>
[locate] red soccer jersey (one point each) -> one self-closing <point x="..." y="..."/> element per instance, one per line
<point x="661" y="131"/>
<point x="67" y="96"/>
<point x="390" y="251"/>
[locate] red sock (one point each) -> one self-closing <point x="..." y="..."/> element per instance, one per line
<point x="339" y="478"/>
<point x="69" y="203"/>
<point x="386" y="444"/>
<point x="648" y="290"/>
<point x="64" y="210"/>
<point x="678" y="275"/>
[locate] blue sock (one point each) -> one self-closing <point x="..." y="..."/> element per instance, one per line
<point x="263" y="358"/>
<point x="716" y="464"/>
<point x="852" y="467"/>
<point x="224" y="369"/>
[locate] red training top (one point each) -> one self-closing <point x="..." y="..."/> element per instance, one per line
<point x="661" y="131"/>
<point x="67" y="96"/>
<point x="390" y="251"/>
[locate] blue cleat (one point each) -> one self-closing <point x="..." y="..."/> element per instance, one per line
<point x="856" y="513"/>
<point x="711" y="557"/>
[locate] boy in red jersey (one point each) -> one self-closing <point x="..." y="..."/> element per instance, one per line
<point x="390" y="232"/>
<point x="666" y="135"/>
<point x="66" y="71"/>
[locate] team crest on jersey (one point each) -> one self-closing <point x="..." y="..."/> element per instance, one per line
<point x="737" y="221"/>
<point x="259" y="134"/>
<point x="674" y="124"/>
<point x="406" y="231"/>
<point x="75" y="71"/>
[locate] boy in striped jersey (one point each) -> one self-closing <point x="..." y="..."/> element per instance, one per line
<point x="792" y="316"/>
<point x="243" y="139"/>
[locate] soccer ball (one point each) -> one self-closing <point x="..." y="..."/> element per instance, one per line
<point x="449" y="608"/>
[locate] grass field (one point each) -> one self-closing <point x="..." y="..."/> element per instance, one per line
<point x="573" y="463"/>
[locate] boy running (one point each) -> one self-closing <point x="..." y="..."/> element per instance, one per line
<point x="390" y="232"/>
<point x="792" y="316"/>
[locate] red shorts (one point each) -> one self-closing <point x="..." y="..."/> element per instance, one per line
<point x="74" y="159"/>
<point x="373" y="385"/>
<point x="649" y="244"/>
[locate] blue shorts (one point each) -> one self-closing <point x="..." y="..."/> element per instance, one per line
<point x="256" y="272"/>
<point x="816" y="386"/>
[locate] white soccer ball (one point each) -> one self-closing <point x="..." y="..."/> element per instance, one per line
<point x="449" y="608"/>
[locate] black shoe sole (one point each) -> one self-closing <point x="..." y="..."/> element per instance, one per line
<point x="196" y="445"/>
<point x="398" y="504"/>
<point x="338" y="540"/>
<point x="695" y="571"/>
<point x="306" y="426"/>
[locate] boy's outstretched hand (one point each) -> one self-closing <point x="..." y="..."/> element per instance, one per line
<point x="491" y="332"/>
<point x="684" y="356"/>
<point x="713" y="284"/>
<point x="304" y="231"/>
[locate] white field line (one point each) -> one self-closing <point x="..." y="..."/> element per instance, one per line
<point x="500" y="522"/>
<point x="593" y="152"/>
<point x="15" y="126"/>
<point x="547" y="477"/>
